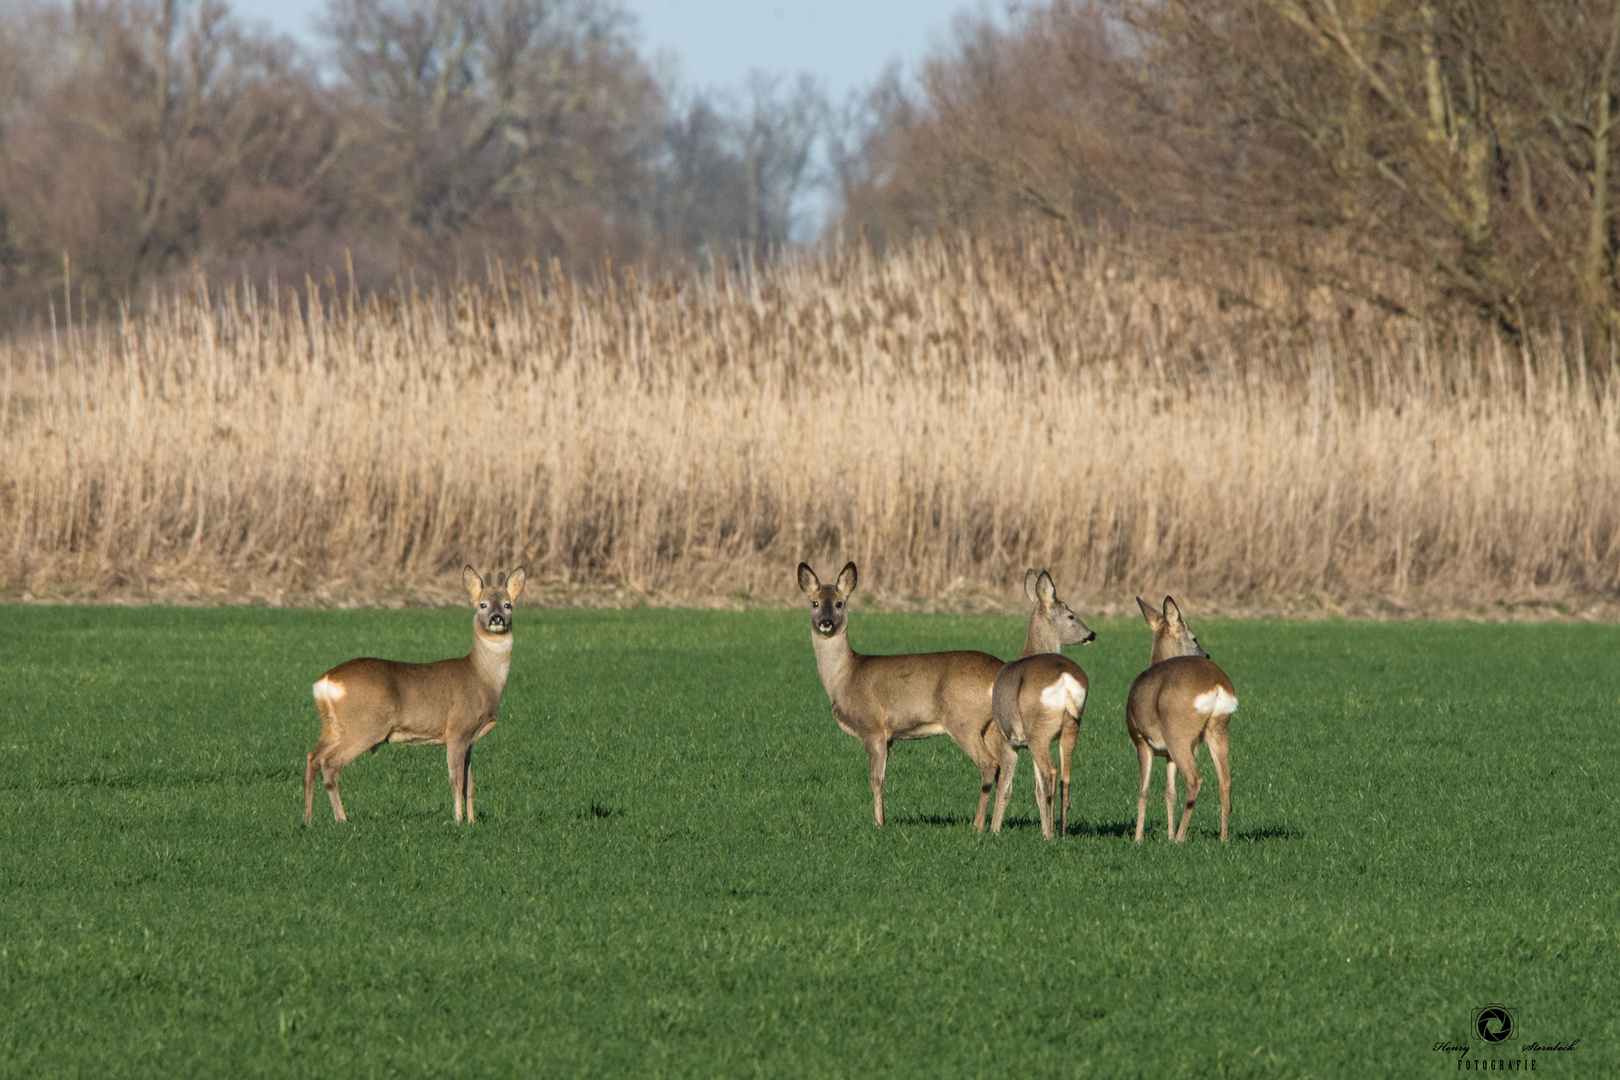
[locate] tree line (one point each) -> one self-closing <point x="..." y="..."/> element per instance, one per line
<point x="1456" y="152"/>
<point x="140" y="139"/>
<point x="1441" y="153"/>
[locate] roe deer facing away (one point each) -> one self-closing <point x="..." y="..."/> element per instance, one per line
<point x="451" y="703"/>
<point x="1183" y="699"/>
<point x="1040" y="697"/>
<point x="879" y="699"/>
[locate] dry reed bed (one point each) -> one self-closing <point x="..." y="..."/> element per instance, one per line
<point x="945" y="416"/>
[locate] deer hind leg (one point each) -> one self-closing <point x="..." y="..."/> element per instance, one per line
<point x="311" y="766"/>
<point x="469" y="786"/>
<point x="1004" y="782"/>
<point x="1219" y="744"/>
<point x="335" y="759"/>
<point x="976" y="745"/>
<point x="1192" y="782"/>
<point x="988" y="771"/>
<point x="1144" y="757"/>
<point x="1066" y="741"/>
<point x="1045" y="784"/>
<point x="1170" y="797"/>
<point x="315" y="760"/>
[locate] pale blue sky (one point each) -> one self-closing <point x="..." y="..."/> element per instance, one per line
<point x="844" y="44"/>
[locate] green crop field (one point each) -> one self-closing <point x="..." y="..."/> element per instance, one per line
<point x="675" y="871"/>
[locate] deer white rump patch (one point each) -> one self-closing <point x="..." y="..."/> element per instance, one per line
<point x="1066" y="694"/>
<point x="1216" y="702"/>
<point x="327" y="690"/>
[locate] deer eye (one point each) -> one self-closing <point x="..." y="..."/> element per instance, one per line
<point x="839" y="605"/>
<point x="507" y="605"/>
<point x="482" y="605"/>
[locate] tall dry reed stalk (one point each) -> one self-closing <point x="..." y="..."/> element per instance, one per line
<point x="945" y="416"/>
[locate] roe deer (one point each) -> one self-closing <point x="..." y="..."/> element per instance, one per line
<point x="451" y="703"/>
<point x="1039" y="697"/>
<point x="1181" y="700"/>
<point x="879" y="699"/>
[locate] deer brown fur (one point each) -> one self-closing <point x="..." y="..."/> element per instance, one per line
<point x="1181" y="700"/>
<point x="451" y="703"/>
<point x="879" y="699"/>
<point x="1041" y="697"/>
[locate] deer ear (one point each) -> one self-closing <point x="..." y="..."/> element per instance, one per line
<point x="515" y="583"/>
<point x="473" y="583"/>
<point x="846" y="579"/>
<point x="808" y="582"/>
<point x="1154" y="619"/>
<point x="1030" y="577"/>
<point x="1046" y="590"/>
<point x="1172" y="614"/>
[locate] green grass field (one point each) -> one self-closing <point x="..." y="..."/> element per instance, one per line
<point x="675" y="870"/>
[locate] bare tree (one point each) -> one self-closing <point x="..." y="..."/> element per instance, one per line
<point x="533" y="115"/>
<point x="733" y="171"/>
<point x="140" y="136"/>
<point x="1557" y="79"/>
<point x="1462" y="142"/>
<point x="776" y="139"/>
<point x="1028" y="121"/>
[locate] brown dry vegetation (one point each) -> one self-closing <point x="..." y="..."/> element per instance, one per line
<point x="945" y="415"/>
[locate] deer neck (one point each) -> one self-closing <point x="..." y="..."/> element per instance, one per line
<point x="835" y="662"/>
<point x="492" y="659"/>
<point x="1041" y="637"/>
<point x="1171" y="650"/>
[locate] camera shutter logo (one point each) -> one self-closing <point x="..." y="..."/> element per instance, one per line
<point x="1495" y="1022"/>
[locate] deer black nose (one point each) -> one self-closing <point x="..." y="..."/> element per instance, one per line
<point x="1091" y="635"/>
<point x="825" y="626"/>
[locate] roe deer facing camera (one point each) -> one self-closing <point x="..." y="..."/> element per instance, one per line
<point x="1181" y="700"/>
<point x="1040" y="697"/>
<point x="450" y="703"/>
<point x="879" y="699"/>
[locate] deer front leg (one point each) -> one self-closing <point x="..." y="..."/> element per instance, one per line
<point x="458" y="755"/>
<point x="469" y="786"/>
<point x="878" y="751"/>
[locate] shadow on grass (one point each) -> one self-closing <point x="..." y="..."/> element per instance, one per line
<point x="935" y="820"/>
<point x="1127" y="829"/>
<point x="599" y="812"/>
<point x="1012" y="823"/>
<point x="1251" y="836"/>
<point x="1102" y="828"/>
